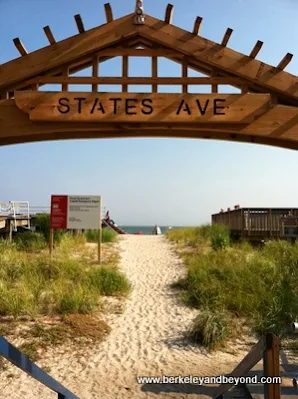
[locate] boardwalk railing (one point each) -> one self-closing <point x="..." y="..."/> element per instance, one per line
<point x="16" y="357"/>
<point x="267" y="349"/>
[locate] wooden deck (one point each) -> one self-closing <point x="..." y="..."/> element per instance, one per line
<point x="255" y="224"/>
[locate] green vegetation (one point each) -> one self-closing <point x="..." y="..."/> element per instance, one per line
<point x="259" y="287"/>
<point x="30" y="242"/>
<point x="42" y="222"/>
<point x="210" y="329"/>
<point x="34" y="284"/>
<point x="107" y="236"/>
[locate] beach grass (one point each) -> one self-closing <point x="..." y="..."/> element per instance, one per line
<point x="259" y="286"/>
<point x="35" y="284"/>
<point x="106" y="236"/>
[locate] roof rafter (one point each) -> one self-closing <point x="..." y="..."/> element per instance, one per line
<point x="20" y="47"/>
<point x="195" y="50"/>
<point x="169" y="14"/>
<point x="109" y="12"/>
<point x="79" y="22"/>
<point x="49" y="34"/>
<point x="197" y="25"/>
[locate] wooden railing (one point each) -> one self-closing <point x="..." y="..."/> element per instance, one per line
<point x="267" y="349"/>
<point x="16" y="357"/>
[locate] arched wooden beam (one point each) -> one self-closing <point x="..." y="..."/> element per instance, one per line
<point x="285" y="61"/>
<point x="256" y="49"/>
<point x="19" y="45"/>
<point x="169" y="13"/>
<point x="226" y="37"/>
<point x="109" y="12"/>
<point x="197" y="25"/>
<point x="49" y="34"/>
<point x="79" y="23"/>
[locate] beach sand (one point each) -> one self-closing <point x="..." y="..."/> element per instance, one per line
<point x="146" y="339"/>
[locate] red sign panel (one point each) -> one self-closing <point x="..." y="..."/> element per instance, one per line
<point x="59" y="206"/>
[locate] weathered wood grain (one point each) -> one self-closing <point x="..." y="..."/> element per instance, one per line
<point x="145" y="107"/>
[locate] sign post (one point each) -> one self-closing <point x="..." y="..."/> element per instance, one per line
<point x="99" y="234"/>
<point x="76" y="212"/>
<point x="51" y="242"/>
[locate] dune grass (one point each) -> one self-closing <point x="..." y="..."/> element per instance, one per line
<point x="34" y="284"/>
<point x="107" y="236"/>
<point x="258" y="286"/>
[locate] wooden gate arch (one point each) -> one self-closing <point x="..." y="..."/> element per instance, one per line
<point x="265" y="111"/>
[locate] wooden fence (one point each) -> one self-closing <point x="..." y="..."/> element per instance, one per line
<point x="267" y="349"/>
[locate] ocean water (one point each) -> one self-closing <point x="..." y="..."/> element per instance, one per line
<point x="147" y="230"/>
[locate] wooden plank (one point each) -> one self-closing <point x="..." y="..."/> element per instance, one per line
<point x="49" y="34"/>
<point x="197" y="26"/>
<point x="125" y="72"/>
<point x="140" y="107"/>
<point x="16" y="357"/>
<point x="169" y="14"/>
<point x="285" y="61"/>
<point x="66" y="51"/>
<point x="20" y="47"/>
<point x="16" y="127"/>
<point x="109" y="12"/>
<point x="95" y="68"/>
<point x="133" y="52"/>
<point x="226" y="37"/>
<point x="134" y="80"/>
<point x="224" y="59"/>
<point x="79" y="23"/>
<point x="271" y="366"/>
<point x="256" y="49"/>
<point x="154" y="73"/>
<point x="250" y="360"/>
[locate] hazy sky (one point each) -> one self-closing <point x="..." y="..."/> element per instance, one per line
<point x="148" y="181"/>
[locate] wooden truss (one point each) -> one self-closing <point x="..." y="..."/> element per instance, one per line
<point x="265" y="112"/>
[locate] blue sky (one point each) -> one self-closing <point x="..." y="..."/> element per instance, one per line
<point x="148" y="181"/>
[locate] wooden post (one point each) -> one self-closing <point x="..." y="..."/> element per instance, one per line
<point x="271" y="366"/>
<point x="10" y="231"/>
<point x="51" y="242"/>
<point x="99" y="234"/>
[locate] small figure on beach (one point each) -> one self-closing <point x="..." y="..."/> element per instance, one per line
<point x="156" y="230"/>
<point x="107" y="217"/>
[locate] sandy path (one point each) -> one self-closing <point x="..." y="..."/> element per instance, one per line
<point x="147" y="339"/>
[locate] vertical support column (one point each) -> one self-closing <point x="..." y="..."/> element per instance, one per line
<point x="214" y="87"/>
<point x="271" y="366"/>
<point x="184" y="75"/>
<point x="65" y="85"/>
<point x="125" y="72"/>
<point x="10" y="230"/>
<point x="95" y="68"/>
<point x="154" y="68"/>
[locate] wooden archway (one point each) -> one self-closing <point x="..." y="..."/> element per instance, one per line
<point x="264" y="112"/>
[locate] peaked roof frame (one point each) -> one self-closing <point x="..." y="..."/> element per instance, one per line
<point x="158" y="38"/>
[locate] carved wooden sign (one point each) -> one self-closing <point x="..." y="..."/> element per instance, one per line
<point x="141" y="107"/>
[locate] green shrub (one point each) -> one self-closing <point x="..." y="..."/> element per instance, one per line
<point x="30" y="242"/>
<point x="107" y="236"/>
<point x="42" y="222"/>
<point x="220" y="236"/>
<point x="108" y="281"/>
<point x="210" y="329"/>
<point x="37" y="285"/>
